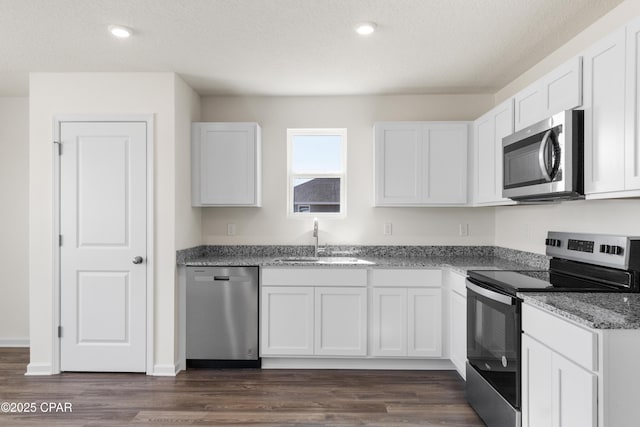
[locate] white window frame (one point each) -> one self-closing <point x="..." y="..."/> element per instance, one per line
<point x="342" y="175"/>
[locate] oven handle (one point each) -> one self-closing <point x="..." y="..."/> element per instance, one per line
<point x="495" y="296"/>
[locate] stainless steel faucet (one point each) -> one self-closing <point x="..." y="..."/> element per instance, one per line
<point x="315" y="234"/>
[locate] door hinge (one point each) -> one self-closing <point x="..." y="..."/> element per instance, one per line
<point x="59" y="144"/>
<point x="59" y="331"/>
<point x="59" y="239"/>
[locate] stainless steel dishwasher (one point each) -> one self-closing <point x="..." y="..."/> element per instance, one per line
<point x="222" y="317"/>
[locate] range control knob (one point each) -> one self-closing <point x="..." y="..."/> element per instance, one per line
<point x="611" y="249"/>
<point x="552" y="242"/>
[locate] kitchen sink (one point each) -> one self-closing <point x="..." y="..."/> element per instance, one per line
<point x="323" y="260"/>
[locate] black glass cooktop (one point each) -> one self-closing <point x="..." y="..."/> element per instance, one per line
<point x="512" y="281"/>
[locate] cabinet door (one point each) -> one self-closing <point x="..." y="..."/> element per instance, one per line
<point x="444" y="160"/>
<point x="563" y="87"/>
<point x="529" y="105"/>
<point x="604" y="102"/>
<point x="424" y="332"/>
<point x="397" y="163"/>
<point x="458" y="331"/>
<point x="485" y="157"/>
<point x="574" y="395"/>
<point x="225" y="164"/>
<point x="537" y="401"/>
<point x="488" y="133"/>
<point x="632" y="117"/>
<point x="287" y="320"/>
<point x="340" y="321"/>
<point x="389" y="322"/>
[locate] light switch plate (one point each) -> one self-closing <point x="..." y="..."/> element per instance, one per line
<point x="231" y="229"/>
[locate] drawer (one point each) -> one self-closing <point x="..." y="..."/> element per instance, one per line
<point x="314" y="277"/>
<point x="457" y="282"/>
<point x="405" y="277"/>
<point x="572" y="341"/>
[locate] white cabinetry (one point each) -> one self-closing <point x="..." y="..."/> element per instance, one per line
<point x="420" y="163"/>
<point x="225" y="164"/>
<point x="456" y="283"/>
<point x="340" y="321"/>
<point x="612" y="115"/>
<point x="487" y="154"/>
<point x="300" y="317"/>
<point x="406" y="317"/>
<point x="632" y="116"/>
<point x="604" y="99"/>
<point x="577" y="376"/>
<point x="559" y="90"/>
<point x="559" y="361"/>
<point x="287" y="320"/>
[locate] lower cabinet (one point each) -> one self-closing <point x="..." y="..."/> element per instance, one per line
<point x="287" y="320"/>
<point x="338" y="312"/>
<point x="576" y="376"/>
<point x="458" y="331"/>
<point x="556" y="391"/>
<point x="324" y="321"/>
<point x="340" y="321"/>
<point x="406" y="322"/>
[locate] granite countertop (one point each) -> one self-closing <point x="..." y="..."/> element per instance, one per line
<point x="594" y="310"/>
<point x="458" y="263"/>
<point x="459" y="258"/>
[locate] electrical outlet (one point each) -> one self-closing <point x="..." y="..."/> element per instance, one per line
<point x="231" y="229"/>
<point x="463" y="229"/>
<point x="387" y="231"/>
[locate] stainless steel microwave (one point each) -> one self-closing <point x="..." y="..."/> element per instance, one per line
<point x="544" y="162"/>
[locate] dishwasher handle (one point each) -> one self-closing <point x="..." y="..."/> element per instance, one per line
<point x="221" y="278"/>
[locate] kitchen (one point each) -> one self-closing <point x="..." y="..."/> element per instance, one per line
<point x="178" y="226"/>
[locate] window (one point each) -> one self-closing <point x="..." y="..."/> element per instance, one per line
<point x="317" y="162"/>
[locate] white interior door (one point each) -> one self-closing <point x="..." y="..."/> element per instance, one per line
<point x="103" y="193"/>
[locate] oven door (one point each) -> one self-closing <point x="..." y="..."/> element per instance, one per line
<point x="493" y="339"/>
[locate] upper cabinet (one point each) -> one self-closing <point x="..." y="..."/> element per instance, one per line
<point x="559" y="90"/>
<point x="225" y="164"/>
<point x="488" y="132"/>
<point x="612" y="115"/>
<point x="420" y="163"/>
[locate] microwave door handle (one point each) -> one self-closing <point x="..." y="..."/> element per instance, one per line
<point x="541" y="154"/>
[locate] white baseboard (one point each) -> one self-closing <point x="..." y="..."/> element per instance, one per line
<point x="34" y="369"/>
<point x="165" y="370"/>
<point x="14" y="342"/>
<point x="372" y="363"/>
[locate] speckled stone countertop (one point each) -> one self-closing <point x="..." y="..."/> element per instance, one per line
<point x="594" y="310"/>
<point x="459" y="258"/>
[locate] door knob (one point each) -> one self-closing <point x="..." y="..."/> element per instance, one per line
<point x="137" y="260"/>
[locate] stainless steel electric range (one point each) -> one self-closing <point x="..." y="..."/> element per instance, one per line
<point x="580" y="263"/>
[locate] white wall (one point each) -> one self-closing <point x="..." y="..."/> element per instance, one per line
<point x="108" y="93"/>
<point x="364" y="223"/>
<point x="525" y="227"/>
<point x="14" y="225"/>
<point x="188" y="219"/>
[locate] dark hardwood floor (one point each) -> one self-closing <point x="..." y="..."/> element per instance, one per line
<point x="235" y="397"/>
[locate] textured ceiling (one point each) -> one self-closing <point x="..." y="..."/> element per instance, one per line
<point x="293" y="47"/>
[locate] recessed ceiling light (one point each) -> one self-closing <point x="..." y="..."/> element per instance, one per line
<point x="365" y="28"/>
<point x="120" y="31"/>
